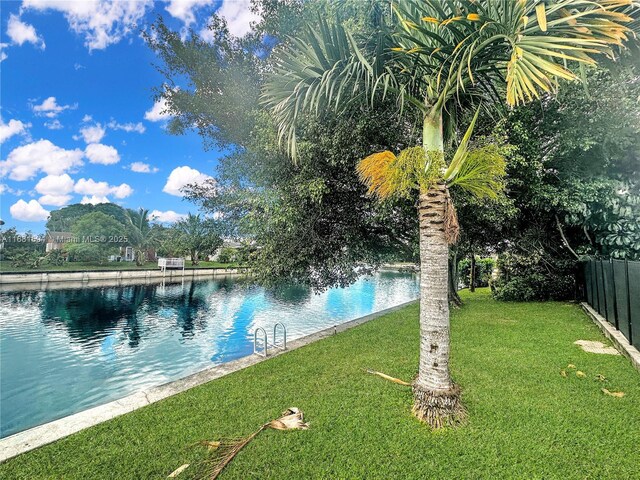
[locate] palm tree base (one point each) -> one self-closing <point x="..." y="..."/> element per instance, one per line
<point x="438" y="408"/>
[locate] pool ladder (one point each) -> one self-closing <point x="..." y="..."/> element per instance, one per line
<point x="265" y="343"/>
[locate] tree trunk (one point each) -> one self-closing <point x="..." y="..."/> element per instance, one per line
<point x="472" y="273"/>
<point x="436" y="398"/>
<point x="454" y="298"/>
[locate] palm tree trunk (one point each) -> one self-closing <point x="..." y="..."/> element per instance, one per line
<point x="436" y="398"/>
<point x="472" y="273"/>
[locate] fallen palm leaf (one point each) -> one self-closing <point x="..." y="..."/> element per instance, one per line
<point x="211" y="445"/>
<point x="178" y="471"/>
<point x="601" y="377"/>
<point x="226" y="450"/>
<point x="613" y="394"/>
<point x="563" y="373"/>
<point x="571" y="365"/>
<point x="580" y="374"/>
<point x="387" y="377"/>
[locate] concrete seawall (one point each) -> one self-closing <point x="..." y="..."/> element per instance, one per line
<point x="20" y="280"/>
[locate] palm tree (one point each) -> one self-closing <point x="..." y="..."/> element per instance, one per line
<point x="141" y="234"/>
<point x="438" y="57"/>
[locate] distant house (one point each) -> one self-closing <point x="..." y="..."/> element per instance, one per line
<point x="57" y="240"/>
<point x="227" y="243"/>
<point x="128" y="254"/>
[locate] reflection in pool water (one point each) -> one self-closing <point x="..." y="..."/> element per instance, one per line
<point x="67" y="350"/>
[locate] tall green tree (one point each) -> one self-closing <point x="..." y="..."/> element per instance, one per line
<point x="575" y="181"/>
<point x="62" y="220"/>
<point x="197" y="236"/>
<point x="313" y="221"/>
<point x="434" y="56"/>
<point x="96" y="236"/>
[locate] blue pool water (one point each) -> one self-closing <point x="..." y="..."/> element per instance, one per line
<point x="63" y="351"/>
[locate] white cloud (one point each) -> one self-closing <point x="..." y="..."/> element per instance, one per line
<point x="127" y="127"/>
<point x="101" y="22"/>
<point x="3" y="55"/>
<point x="54" y="125"/>
<point x="92" y="133"/>
<point x="88" y="186"/>
<point x="55" y="185"/>
<point x="87" y="118"/>
<point x="4" y="188"/>
<point x="102" y="154"/>
<point x="28" y="212"/>
<point x="185" y="9"/>
<point x="166" y="217"/>
<point x="94" y="200"/>
<point x="20" y="32"/>
<point x="55" y="200"/>
<point x="182" y="176"/>
<point x="50" y="108"/>
<point x="157" y="112"/>
<point x="238" y="15"/>
<point x="140" y="167"/>
<point x="26" y="161"/>
<point x="14" y="127"/>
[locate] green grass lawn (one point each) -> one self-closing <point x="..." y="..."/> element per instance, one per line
<point x="6" y="267"/>
<point x="525" y="419"/>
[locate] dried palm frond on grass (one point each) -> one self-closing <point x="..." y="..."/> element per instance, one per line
<point x="178" y="470"/>
<point x="226" y="449"/>
<point x="613" y="394"/>
<point x="387" y="377"/>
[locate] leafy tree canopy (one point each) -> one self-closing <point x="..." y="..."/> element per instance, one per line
<point x="197" y="237"/>
<point x="314" y="220"/>
<point x="64" y="219"/>
<point x="97" y="235"/>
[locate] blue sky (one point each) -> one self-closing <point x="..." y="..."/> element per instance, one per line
<point x="78" y="119"/>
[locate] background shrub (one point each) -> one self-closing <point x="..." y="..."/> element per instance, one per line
<point x="533" y="277"/>
<point x="484" y="269"/>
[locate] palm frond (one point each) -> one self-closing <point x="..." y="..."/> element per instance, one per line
<point x="376" y="172"/>
<point x="222" y="452"/>
<point x="413" y="169"/>
<point x="461" y="152"/>
<point x="481" y="172"/>
<point x="428" y="54"/>
<point x="328" y="68"/>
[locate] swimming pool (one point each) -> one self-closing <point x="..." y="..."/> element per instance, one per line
<point x="63" y="351"/>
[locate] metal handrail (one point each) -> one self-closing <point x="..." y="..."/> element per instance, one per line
<point x="255" y="342"/>
<point x="284" y="331"/>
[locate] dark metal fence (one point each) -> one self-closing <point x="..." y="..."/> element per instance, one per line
<point x="612" y="287"/>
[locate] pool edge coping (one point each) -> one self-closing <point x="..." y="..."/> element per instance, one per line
<point x="49" y="432"/>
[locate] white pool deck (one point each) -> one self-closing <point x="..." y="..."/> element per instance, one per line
<point x="35" y="437"/>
